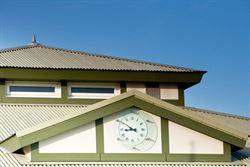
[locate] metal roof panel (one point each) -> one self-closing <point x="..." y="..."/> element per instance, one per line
<point x="41" y="56"/>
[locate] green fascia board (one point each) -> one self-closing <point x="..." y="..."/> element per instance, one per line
<point x="186" y="79"/>
<point x="126" y="100"/>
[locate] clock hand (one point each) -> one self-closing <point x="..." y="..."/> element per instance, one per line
<point x="130" y="128"/>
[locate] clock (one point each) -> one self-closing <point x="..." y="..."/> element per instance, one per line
<point x="136" y="130"/>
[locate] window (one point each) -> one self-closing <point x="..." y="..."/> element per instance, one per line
<point x="93" y="90"/>
<point x="33" y="89"/>
<point x="137" y="86"/>
<point x="169" y="92"/>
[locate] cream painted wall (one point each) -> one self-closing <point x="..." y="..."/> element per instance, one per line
<point x="183" y="140"/>
<point x="79" y="140"/>
<point x="169" y="92"/>
<point x="137" y="86"/>
<point x="112" y="145"/>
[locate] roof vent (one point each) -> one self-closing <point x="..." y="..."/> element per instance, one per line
<point x="34" y="40"/>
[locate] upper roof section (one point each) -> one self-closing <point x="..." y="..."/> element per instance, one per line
<point x="38" y="56"/>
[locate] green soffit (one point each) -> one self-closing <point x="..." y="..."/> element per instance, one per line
<point x="118" y="103"/>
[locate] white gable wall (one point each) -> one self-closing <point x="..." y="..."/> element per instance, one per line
<point x="183" y="140"/>
<point x="79" y="140"/>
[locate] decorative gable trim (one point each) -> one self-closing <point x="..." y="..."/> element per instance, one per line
<point x="116" y="104"/>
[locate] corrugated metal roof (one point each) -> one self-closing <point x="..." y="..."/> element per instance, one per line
<point x="8" y="160"/>
<point x="17" y="117"/>
<point x="243" y="156"/>
<point x="141" y="164"/>
<point x="234" y="121"/>
<point x="41" y="56"/>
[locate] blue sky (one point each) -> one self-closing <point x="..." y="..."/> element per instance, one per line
<point x="211" y="35"/>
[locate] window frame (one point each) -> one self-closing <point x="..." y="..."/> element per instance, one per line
<point x="71" y="95"/>
<point x="55" y="94"/>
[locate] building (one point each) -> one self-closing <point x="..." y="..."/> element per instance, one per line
<point x="63" y="108"/>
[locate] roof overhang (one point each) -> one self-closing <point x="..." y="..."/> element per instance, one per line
<point x="183" y="79"/>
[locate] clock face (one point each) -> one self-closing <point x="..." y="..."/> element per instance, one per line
<point x="136" y="130"/>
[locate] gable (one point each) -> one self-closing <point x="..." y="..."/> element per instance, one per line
<point x="116" y="104"/>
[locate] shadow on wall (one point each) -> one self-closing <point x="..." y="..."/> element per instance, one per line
<point x="192" y="150"/>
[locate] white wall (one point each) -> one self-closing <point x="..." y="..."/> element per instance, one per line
<point x="137" y="86"/>
<point x="169" y="92"/>
<point x="112" y="145"/>
<point x="79" y="140"/>
<point x="183" y="140"/>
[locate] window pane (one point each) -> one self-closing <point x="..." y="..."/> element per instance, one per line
<point x="32" y="89"/>
<point x="91" y="90"/>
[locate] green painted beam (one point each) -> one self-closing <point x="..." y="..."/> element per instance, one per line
<point x="119" y="103"/>
<point x="99" y="136"/>
<point x="186" y="79"/>
<point x="132" y="157"/>
<point x="190" y="123"/>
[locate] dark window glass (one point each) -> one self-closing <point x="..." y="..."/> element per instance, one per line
<point x="32" y="89"/>
<point x="91" y="90"/>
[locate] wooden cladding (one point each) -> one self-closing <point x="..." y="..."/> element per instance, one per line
<point x="153" y="89"/>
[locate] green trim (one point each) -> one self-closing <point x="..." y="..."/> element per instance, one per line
<point x="64" y="91"/>
<point x="164" y="137"/>
<point x="121" y="102"/>
<point x="189" y="122"/>
<point x="226" y="157"/>
<point x="132" y="157"/>
<point x="11" y="144"/>
<point x="186" y="79"/>
<point x="49" y="100"/>
<point x="123" y="87"/>
<point x="55" y="157"/>
<point x="99" y="136"/>
<point x="72" y="123"/>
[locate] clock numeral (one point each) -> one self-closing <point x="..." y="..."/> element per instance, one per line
<point x="141" y="123"/>
<point x="132" y="140"/>
<point x="134" y="148"/>
<point x="142" y="129"/>
<point x="132" y="118"/>
<point x="137" y="120"/>
<point x="149" y="121"/>
<point x="126" y="119"/>
<point x="141" y="135"/>
<point x="148" y="139"/>
<point x="119" y="139"/>
<point x="127" y="139"/>
<point x="121" y="129"/>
